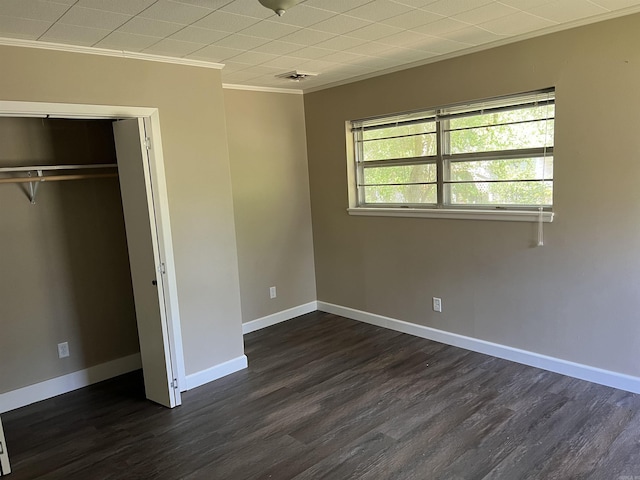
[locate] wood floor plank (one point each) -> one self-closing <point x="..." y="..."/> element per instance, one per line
<point x="328" y="397"/>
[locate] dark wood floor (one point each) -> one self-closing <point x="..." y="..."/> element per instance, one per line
<point x="327" y="397"/>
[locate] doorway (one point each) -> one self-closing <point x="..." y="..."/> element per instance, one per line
<point x="142" y="177"/>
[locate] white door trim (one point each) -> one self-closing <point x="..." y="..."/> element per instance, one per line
<point x="5" y="467"/>
<point x="156" y="160"/>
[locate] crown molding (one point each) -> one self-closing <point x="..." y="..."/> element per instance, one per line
<point x="252" y="88"/>
<point x="61" y="47"/>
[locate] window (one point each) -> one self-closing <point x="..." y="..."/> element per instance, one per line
<point x="495" y="154"/>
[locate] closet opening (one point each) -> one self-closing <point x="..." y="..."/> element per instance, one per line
<point x="87" y="255"/>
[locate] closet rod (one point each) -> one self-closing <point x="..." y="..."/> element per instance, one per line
<point x="46" y="168"/>
<point x="56" y="178"/>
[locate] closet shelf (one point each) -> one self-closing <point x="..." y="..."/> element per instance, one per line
<point x="40" y="177"/>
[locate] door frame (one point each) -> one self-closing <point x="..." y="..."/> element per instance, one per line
<point x="155" y="175"/>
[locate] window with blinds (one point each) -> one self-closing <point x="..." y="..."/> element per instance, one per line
<point x="492" y="154"/>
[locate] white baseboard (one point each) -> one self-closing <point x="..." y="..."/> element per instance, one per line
<point x="279" y="317"/>
<point x="67" y="383"/>
<point x="552" y="364"/>
<point x="210" y="374"/>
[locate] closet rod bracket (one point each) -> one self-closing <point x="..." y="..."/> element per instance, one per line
<point x="33" y="187"/>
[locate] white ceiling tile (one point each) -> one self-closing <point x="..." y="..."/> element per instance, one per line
<point x="63" y="2"/>
<point x="345" y="57"/>
<point x="616" y="4"/>
<point x="485" y="13"/>
<point x="370" y="48"/>
<point x="414" y="3"/>
<point x="414" y="18"/>
<point x="210" y="4"/>
<point x="454" y="7"/>
<point x="379" y="10"/>
<point x="406" y="38"/>
<point x="168" y="11"/>
<point x="237" y="77"/>
<point x="22" y="27"/>
<point x="338" y="6"/>
<point x="215" y="54"/>
<point x="89" y="17"/>
<point x="567" y="10"/>
<point x="175" y="48"/>
<point x="442" y="46"/>
<point x="340" y="42"/>
<point x="516" y="24"/>
<point x="307" y="37"/>
<point x="152" y="28"/>
<point x="276" y="47"/>
<point x="311" y="53"/>
<point x="225" y="22"/>
<point x="268" y="29"/>
<point x="474" y="35"/>
<point x="284" y="63"/>
<point x="524" y="4"/>
<point x="374" y="31"/>
<point x="242" y="42"/>
<point x="253" y="58"/>
<point x="250" y="8"/>
<point x="74" y="35"/>
<point x="129" y="7"/>
<point x="32" y="10"/>
<point x="126" y="41"/>
<point x="441" y="27"/>
<point x="319" y="66"/>
<point x="341" y="24"/>
<point x="304" y="16"/>
<point x="199" y="35"/>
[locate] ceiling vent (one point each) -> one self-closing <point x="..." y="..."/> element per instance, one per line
<point x="296" y="76"/>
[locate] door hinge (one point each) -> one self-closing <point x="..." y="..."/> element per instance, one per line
<point x="174" y="384"/>
<point x="162" y="268"/>
<point x="147" y="143"/>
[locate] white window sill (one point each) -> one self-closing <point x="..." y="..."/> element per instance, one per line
<point x="501" y="215"/>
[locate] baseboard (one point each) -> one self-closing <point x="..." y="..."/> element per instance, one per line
<point x="279" y="317"/>
<point x="210" y="374"/>
<point x="67" y="383"/>
<point x="552" y="364"/>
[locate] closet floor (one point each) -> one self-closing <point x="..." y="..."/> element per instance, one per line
<point x="328" y="397"/>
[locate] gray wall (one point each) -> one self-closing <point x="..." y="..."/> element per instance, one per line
<point x="577" y="298"/>
<point x="194" y="139"/>
<point x="65" y="270"/>
<point x="268" y="151"/>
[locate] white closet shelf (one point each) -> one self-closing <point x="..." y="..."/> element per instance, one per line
<point x="34" y="181"/>
<point x="46" y="168"/>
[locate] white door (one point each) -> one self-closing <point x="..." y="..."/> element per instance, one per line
<point x="147" y="268"/>
<point x="4" y="455"/>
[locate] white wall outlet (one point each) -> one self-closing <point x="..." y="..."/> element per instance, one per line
<point x="63" y="350"/>
<point x="437" y="304"/>
<point x="272" y="292"/>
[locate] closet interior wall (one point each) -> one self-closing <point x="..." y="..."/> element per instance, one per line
<point x="64" y="262"/>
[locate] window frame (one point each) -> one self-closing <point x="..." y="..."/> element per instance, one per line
<point x="443" y="159"/>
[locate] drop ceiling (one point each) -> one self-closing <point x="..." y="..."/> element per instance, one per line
<point x="340" y="40"/>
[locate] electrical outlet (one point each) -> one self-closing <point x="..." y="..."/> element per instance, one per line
<point x="437" y="304"/>
<point x="63" y="350"/>
<point x="272" y="292"/>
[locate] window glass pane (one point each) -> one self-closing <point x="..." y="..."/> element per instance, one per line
<point x="401" y="147"/>
<point x="399" y="131"/>
<point x="402" y="174"/>
<point x="503" y="137"/>
<point x="508" y="193"/>
<point x="401" y="194"/>
<point x="509" y="116"/>
<point x="511" y="169"/>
